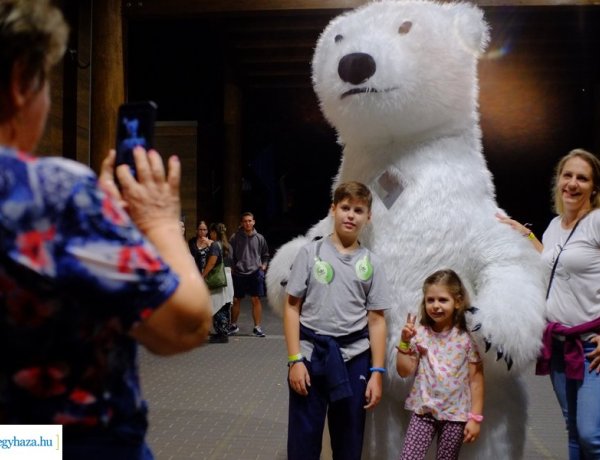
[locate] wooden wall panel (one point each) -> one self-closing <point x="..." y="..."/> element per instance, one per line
<point x="181" y="138"/>
<point x="84" y="76"/>
<point x="51" y="141"/>
<point x="166" y="8"/>
<point x="107" y="78"/>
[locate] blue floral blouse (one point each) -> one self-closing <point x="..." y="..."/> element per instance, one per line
<point x="75" y="275"/>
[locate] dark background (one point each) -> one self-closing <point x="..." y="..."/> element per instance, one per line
<point x="539" y="98"/>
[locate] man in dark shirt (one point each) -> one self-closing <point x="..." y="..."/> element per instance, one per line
<point x="250" y="254"/>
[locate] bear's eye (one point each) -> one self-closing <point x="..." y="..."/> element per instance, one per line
<point x="405" y="28"/>
<point x="338" y="38"/>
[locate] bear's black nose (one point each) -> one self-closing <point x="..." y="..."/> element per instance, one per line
<point x="356" y="68"/>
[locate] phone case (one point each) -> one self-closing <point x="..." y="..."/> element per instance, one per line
<point x="135" y="127"/>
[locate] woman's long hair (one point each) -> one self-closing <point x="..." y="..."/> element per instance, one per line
<point x="221" y="231"/>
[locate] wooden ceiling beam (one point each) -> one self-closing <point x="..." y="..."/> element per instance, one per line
<point x="178" y="8"/>
<point x="266" y="44"/>
<point x="255" y="60"/>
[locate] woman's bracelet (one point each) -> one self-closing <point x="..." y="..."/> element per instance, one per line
<point x="478" y="418"/>
<point x="529" y="233"/>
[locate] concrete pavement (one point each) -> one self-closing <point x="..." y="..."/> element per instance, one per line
<point x="229" y="401"/>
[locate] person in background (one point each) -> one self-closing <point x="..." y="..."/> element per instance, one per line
<point x="220" y="251"/>
<point x="570" y="251"/>
<point x="81" y="280"/>
<point x="250" y="256"/>
<point x="199" y="245"/>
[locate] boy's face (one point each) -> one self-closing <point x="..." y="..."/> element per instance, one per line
<point x="248" y="224"/>
<point x="349" y="217"/>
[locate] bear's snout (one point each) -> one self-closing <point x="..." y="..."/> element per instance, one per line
<point x="356" y="68"/>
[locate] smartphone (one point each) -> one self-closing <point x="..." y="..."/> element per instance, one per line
<point x="135" y="127"/>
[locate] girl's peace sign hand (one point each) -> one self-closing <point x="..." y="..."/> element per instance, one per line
<point x="409" y="331"/>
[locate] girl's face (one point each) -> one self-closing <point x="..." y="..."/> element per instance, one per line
<point x="213" y="235"/>
<point x="440" y="307"/>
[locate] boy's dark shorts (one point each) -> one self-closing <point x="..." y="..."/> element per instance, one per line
<point x="252" y="284"/>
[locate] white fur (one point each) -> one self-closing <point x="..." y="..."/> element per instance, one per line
<point x="424" y="132"/>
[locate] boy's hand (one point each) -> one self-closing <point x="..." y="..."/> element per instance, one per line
<point x="374" y="390"/>
<point x="299" y="379"/>
<point x="471" y="431"/>
<point x="409" y="330"/>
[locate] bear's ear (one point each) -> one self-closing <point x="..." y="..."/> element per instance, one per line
<point x="470" y="27"/>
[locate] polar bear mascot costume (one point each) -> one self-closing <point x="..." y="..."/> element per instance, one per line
<point x="398" y="81"/>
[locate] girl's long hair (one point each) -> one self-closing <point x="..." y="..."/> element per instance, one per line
<point x="449" y="279"/>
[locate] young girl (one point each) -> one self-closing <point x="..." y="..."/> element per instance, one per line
<point x="447" y="394"/>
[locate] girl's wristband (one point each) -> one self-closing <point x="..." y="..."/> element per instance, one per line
<point x="404" y="352"/>
<point x="404" y="345"/>
<point x="478" y="418"/>
<point x="404" y="348"/>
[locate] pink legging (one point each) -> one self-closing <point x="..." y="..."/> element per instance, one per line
<point x="420" y="433"/>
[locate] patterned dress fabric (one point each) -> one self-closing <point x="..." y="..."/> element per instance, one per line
<point x="441" y="385"/>
<point x="75" y="276"/>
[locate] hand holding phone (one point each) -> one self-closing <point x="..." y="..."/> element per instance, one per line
<point x="135" y="127"/>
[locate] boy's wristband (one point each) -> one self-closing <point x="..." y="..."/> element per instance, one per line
<point x="378" y="369"/>
<point x="296" y="357"/>
<point x="478" y="418"/>
<point x="293" y="359"/>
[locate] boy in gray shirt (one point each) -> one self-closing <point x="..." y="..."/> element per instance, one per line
<point x="335" y="333"/>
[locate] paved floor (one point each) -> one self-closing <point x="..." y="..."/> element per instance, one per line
<point x="229" y="401"/>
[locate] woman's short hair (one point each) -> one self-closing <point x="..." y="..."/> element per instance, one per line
<point x="33" y="35"/>
<point x="594" y="163"/>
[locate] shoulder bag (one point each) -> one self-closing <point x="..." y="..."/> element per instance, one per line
<point x="216" y="278"/>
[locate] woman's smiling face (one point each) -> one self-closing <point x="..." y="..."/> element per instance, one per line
<point x="575" y="184"/>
